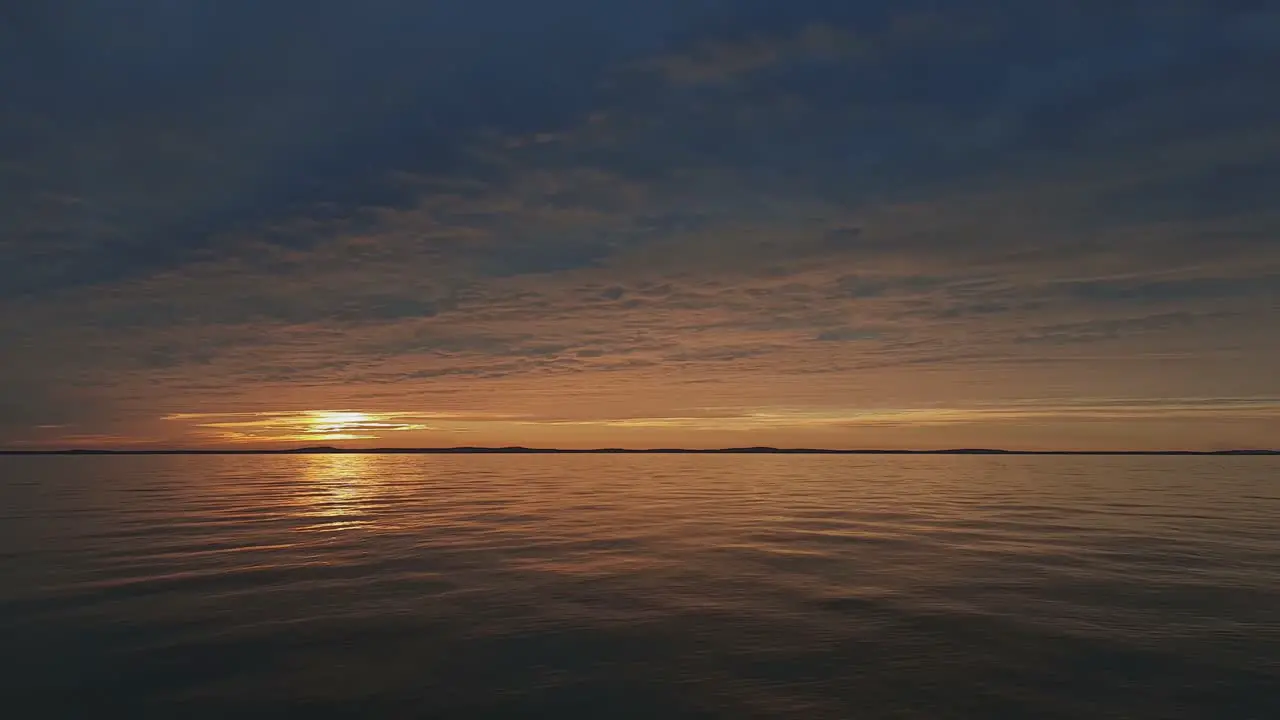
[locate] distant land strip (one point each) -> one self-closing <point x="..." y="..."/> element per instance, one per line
<point x="621" y="451"/>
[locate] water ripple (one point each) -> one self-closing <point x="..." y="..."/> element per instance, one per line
<point x="653" y="586"/>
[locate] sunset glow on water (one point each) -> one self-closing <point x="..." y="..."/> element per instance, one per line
<point x="640" y="586"/>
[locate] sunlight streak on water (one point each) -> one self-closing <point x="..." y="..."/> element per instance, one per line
<point x="337" y="489"/>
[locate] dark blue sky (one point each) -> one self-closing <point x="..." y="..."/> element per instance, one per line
<point x="784" y="220"/>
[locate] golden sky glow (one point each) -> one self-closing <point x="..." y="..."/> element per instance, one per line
<point x="297" y="426"/>
<point x="926" y="427"/>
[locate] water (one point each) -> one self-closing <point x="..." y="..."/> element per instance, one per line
<point x="640" y="587"/>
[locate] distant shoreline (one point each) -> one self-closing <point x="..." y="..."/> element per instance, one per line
<point x="624" y="451"/>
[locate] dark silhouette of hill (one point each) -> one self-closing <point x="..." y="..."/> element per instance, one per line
<point x="516" y="450"/>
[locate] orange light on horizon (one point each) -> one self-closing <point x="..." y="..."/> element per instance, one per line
<point x="297" y="426"/>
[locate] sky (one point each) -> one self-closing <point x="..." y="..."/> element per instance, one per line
<point x="640" y="223"/>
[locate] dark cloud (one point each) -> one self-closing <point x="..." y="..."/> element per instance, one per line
<point x="848" y="335"/>
<point x="1101" y="330"/>
<point x="1173" y="291"/>
<point x="240" y="200"/>
<point x="1227" y="190"/>
<point x="171" y="125"/>
<point x="861" y="286"/>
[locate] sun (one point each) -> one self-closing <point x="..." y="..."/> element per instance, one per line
<point x="336" y="422"/>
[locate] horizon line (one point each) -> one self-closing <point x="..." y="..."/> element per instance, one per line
<point x="517" y="449"/>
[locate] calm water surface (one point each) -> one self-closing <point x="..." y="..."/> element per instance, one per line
<point x="640" y="587"/>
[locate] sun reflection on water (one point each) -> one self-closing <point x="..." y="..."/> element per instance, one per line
<point x="339" y="488"/>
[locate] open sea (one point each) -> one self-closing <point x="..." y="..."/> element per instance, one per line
<point x="649" y="586"/>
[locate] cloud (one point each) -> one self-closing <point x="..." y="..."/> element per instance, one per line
<point x="693" y="205"/>
<point x="317" y="425"/>
<point x="1173" y="291"/>
<point x="847" y="335"/>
